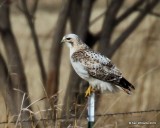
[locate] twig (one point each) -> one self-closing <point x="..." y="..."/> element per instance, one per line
<point x="35" y="102"/>
<point x="97" y="18"/>
<point x="151" y="13"/>
<point x="20" y="110"/>
<point x="18" y="90"/>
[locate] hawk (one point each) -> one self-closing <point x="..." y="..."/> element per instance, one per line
<point x="95" y="68"/>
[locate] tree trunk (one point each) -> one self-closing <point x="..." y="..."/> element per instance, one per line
<point x="16" y="68"/>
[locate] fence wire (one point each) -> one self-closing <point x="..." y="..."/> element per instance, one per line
<point x="62" y="119"/>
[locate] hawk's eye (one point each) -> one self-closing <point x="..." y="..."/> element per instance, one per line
<point x="68" y="38"/>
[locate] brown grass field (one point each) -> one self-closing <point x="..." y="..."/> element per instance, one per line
<point x="138" y="59"/>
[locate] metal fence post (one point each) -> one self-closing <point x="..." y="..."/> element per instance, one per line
<point x="91" y="110"/>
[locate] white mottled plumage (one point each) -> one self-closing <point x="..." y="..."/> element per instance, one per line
<point x="95" y="68"/>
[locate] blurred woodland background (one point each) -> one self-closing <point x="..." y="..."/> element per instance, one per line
<point x="39" y="87"/>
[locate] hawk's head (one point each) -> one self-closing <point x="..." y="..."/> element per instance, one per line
<point x="73" y="41"/>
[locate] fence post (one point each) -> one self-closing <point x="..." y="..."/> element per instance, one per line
<point x="91" y="110"/>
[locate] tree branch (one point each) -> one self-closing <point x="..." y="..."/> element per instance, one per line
<point x="148" y="7"/>
<point x="7" y="88"/>
<point x="16" y="68"/>
<point x="55" y="53"/>
<point x="34" y="7"/>
<point x="83" y="25"/>
<point x="75" y="19"/>
<point x="109" y="24"/>
<point x="29" y="18"/>
<point x="129" y="11"/>
<point x="82" y="30"/>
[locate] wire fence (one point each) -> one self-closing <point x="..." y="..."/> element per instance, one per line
<point x="73" y="117"/>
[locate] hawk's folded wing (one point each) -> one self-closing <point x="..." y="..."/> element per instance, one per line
<point x="101" y="68"/>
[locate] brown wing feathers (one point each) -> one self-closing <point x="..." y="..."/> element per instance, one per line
<point x="105" y="71"/>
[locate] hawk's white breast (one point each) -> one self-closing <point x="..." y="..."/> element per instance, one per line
<point x="80" y="69"/>
<point x="95" y="83"/>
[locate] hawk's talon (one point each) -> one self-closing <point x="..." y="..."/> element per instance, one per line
<point x="89" y="91"/>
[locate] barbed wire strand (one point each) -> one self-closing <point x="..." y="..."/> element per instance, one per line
<point x="73" y="117"/>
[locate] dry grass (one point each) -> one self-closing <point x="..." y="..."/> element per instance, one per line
<point x="138" y="59"/>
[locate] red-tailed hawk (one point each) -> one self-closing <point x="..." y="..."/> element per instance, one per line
<point x="95" y="68"/>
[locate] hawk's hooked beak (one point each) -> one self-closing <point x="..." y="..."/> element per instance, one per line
<point x="62" y="41"/>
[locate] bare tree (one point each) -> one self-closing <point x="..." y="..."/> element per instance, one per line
<point x="15" y="65"/>
<point x="82" y="30"/>
<point x="30" y="17"/>
<point x="6" y="87"/>
<point x="109" y="24"/>
<point x="79" y="18"/>
<point x="148" y="6"/>
<point x="55" y="55"/>
<point x="78" y="13"/>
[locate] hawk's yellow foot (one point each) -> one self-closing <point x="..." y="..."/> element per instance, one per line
<point x="89" y="91"/>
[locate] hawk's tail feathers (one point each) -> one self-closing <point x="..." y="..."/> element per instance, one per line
<point x="126" y="86"/>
